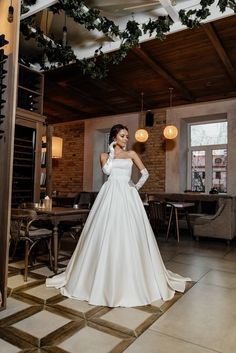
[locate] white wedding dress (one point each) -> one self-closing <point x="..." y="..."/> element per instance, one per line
<point x="117" y="261"/>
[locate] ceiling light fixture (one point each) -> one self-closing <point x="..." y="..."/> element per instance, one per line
<point x="170" y="132"/>
<point x="64" y="34"/>
<point x="10" y="17"/>
<point x="141" y="135"/>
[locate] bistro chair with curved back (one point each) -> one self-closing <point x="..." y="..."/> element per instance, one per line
<point x="160" y="216"/>
<point x="22" y="229"/>
<point x="82" y="200"/>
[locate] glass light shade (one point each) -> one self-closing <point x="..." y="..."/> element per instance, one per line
<point x="57" y="143"/>
<point x="170" y="132"/>
<point x="141" y="135"/>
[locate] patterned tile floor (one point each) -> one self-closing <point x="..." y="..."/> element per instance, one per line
<point x="41" y="320"/>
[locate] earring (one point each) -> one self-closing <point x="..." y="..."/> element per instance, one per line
<point x="124" y="148"/>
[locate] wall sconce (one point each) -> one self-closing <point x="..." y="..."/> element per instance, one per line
<point x="170" y="131"/>
<point x="57" y="143"/>
<point x="141" y="135"/>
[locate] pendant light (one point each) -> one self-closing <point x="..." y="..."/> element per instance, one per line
<point x="64" y="34"/>
<point x="141" y="135"/>
<point x="10" y="17"/>
<point x="170" y="132"/>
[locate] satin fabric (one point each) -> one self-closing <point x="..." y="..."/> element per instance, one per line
<point x="117" y="261"/>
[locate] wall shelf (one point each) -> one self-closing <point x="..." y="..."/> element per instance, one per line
<point x="30" y="90"/>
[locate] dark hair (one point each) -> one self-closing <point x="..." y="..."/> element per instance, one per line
<point x="115" y="130"/>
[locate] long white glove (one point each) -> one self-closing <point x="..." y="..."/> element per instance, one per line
<point x="142" y="179"/>
<point x="108" y="165"/>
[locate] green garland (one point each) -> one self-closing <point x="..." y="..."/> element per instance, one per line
<point x="98" y="66"/>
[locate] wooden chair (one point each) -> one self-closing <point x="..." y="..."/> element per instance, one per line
<point x="22" y="229"/>
<point x="160" y="216"/>
<point x="83" y="200"/>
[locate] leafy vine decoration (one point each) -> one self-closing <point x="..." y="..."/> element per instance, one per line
<point x="91" y="19"/>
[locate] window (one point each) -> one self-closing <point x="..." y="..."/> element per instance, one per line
<point x="207" y="159"/>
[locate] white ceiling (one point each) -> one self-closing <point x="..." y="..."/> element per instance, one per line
<point x="85" y="42"/>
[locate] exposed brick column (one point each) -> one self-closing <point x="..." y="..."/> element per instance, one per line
<point x="67" y="172"/>
<point x="153" y="155"/>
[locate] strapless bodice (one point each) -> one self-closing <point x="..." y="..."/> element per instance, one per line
<point x="121" y="168"/>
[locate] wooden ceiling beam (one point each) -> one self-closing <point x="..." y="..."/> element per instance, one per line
<point x="87" y="97"/>
<point x="167" y="4"/>
<point x="156" y="67"/>
<point x="125" y="93"/>
<point x="130" y="94"/>
<point x="215" y="41"/>
<point x="39" y="6"/>
<point x="56" y="103"/>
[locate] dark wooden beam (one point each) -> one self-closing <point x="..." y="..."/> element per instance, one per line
<point x="215" y="41"/>
<point x="53" y="102"/>
<point x="156" y="67"/>
<point x="87" y="96"/>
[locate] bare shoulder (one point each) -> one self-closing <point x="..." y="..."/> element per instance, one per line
<point x="136" y="159"/>
<point x="132" y="154"/>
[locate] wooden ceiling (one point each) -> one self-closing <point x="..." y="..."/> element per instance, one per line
<point x="199" y="64"/>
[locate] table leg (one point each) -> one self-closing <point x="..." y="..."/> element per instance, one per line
<point x="55" y="247"/>
<point x="169" y="223"/>
<point x="177" y="223"/>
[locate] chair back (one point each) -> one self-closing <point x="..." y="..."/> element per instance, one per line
<point x="83" y="199"/>
<point x="20" y="220"/>
<point x="159" y="215"/>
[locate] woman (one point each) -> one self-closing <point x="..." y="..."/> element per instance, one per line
<point x="117" y="261"/>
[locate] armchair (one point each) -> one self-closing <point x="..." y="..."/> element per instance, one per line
<point x="219" y="225"/>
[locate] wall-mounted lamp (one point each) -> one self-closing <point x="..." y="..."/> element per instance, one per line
<point x="170" y="131"/>
<point x="57" y="143"/>
<point x="141" y="135"/>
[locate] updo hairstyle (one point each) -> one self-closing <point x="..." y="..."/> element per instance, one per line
<point x="115" y="130"/>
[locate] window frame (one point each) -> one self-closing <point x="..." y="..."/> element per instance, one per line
<point x="208" y="156"/>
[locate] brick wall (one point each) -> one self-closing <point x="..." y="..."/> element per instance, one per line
<point x="67" y="172"/>
<point x="153" y="155"/>
<point x="67" y="176"/>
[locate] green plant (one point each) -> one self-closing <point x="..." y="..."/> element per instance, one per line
<point x="98" y="66"/>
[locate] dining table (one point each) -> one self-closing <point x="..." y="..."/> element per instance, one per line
<point x="180" y="206"/>
<point x="56" y="215"/>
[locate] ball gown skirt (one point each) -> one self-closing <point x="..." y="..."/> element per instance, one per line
<point x="117" y="261"/>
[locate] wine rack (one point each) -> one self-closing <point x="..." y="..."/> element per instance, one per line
<point x="3" y="73"/>
<point x="23" y="165"/>
<point x="30" y="90"/>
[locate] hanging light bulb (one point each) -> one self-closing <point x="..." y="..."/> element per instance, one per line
<point x="170" y="131"/>
<point x="10" y="17"/>
<point x="64" y="34"/>
<point x="141" y="135"/>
